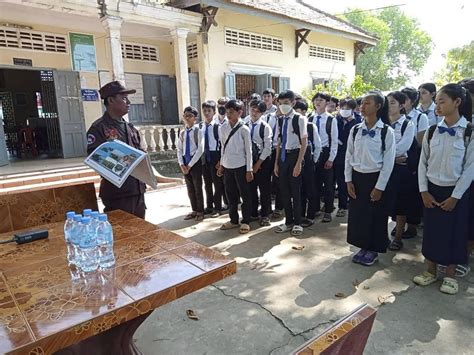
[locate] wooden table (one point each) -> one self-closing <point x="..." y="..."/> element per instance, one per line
<point x="45" y="307"/>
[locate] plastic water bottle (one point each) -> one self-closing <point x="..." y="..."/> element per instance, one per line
<point x="73" y="255"/>
<point x="68" y="225"/>
<point x="105" y="240"/>
<point x="88" y="246"/>
<point x="94" y="219"/>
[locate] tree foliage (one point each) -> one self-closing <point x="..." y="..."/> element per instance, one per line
<point x="459" y="65"/>
<point x="401" y="52"/>
<point x="340" y="89"/>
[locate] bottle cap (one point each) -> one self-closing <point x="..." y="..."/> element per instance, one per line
<point x="77" y="217"/>
<point x="70" y="214"/>
<point x="95" y="214"/>
<point x="102" y="217"/>
<point x="87" y="212"/>
<point x="86" y="220"/>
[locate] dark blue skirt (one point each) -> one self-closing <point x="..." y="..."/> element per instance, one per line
<point x="445" y="233"/>
<point x="367" y="226"/>
<point x="404" y="191"/>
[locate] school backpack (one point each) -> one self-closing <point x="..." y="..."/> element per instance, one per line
<point x="383" y="133"/>
<point x="328" y="127"/>
<point x="417" y="120"/>
<point x="467" y="133"/>
<point x="261" y="133"/>
<point x="414" y="152"/>
<point x="311" y="136"/>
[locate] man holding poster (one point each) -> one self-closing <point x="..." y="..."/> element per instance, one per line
<point x="111" y="126"/>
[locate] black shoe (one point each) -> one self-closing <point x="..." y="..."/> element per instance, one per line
<point x="208" y="210"/>
<point x="409" y="234"/>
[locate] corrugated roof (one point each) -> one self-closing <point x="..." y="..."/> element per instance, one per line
<point x="301" y="11"/>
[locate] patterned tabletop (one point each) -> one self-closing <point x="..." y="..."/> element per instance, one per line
<point x="45" y="306"/>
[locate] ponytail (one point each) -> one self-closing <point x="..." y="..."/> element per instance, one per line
<point x="456" y="91"/>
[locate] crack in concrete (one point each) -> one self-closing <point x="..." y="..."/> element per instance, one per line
<point x="282" y="323"/>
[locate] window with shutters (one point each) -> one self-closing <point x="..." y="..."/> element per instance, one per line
<point x="136" y="51"/>
<point x="253" y="40"/>
<point x="327" y="53"/>
<point x="33" y="40"/>
<point x="192" y="50"/>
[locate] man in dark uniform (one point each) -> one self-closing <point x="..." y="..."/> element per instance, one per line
<point x="131" y="196"/>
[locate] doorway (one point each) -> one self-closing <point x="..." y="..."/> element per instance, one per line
<point x="40" y="110"/>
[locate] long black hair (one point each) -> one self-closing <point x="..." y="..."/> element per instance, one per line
<point x="456" y="91"/>
<point x="430" y="87"/>
<point x="382" y="112"/>
<point x="412" y="94"/>
<point x="400" y="97"/>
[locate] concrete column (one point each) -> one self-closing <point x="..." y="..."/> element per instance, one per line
<point x="181" y="67"/>
<point x="112" y="26"/>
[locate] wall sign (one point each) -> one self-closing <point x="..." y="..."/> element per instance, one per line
<point x="23" y="61"/>
<point x="89" y="95"/>
<point x="83" y="52"/>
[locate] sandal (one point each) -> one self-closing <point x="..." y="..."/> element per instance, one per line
<point x="265" y="222"/>
<point x="424" y="279"/>
<point x="277" y="214"/>
<point x="327" y="218"/>
<point x="199" y="216"/>
<point x="461" y="270"/>
<point x="282" y="228"/>
<point x="449" y="286"/>
<point x="229" y="225"/>
<point x="244" y="228"/>
<point x="395" y="245"/>
<point x="307" y="222"/>
<point x="189" y="216"/>
<point x="296" y="231"/>
<point x="341" y="212"/>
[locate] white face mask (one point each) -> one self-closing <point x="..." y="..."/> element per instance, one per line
<point x="345" y="113"/>
<point x="285" y="109"/>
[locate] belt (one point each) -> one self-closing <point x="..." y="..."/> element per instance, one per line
<point x="289" y="151"/>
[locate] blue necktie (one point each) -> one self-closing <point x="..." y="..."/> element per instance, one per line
<point x="187" y="152"/>
<point x="371" y="133"/>
<point x="206" y="144"/>
<point x="318" y="119"/>
<point x="253" y="129"/>
<point x="451" y="130"/>
<point x="283" y="139"/>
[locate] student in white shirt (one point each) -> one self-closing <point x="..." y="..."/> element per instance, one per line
<point x="293" y="140"/>
<point x="324" y="170"/>
<point x="427" y="92"/>
<point x="190" y="148"/>
<point x="236" y="166"/>
<point x="261" y="136"/>
<point x="252" y="97"/>
<point x="210" y="158"/>
<point x="420" y="120"/>
<point x="221" y="118"/>
<point x="268" y="96"/>
<point x="332" y="106"/>
<point x="402" y="180"/>
<point x="370" y="158"/>
<point x="272" y="120"/>
<point x="310" y="158"/>
<point x="445" y="173"/>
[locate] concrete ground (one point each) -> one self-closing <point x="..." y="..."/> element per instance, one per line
<point x="280" y="297"/>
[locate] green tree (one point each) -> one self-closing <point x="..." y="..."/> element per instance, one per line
<point x="401" y="52"/>
<point x="340" y="89"/>
<point x="459" y="65"/>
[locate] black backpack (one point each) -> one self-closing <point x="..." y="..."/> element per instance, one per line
<point x="383" y="133"/>
<point x="294" y="124"/>
<point x="261" y="133"/>
<point x="311" y="136"/>
<point x="328" y="127"/>
<point x="467" y="133"/>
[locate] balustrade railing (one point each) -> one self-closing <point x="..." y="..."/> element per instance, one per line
<point x="160" y="138"/>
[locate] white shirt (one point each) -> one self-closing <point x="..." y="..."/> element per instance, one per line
<point x="403" y="143"/>
<point x="421" y="124"/>
<point x="272" y="120"/>
<point x="213" y="143"/>
<point x="218" y="121"/>
<point x="272" y="109"/>
<point x="247" y="119"/>
<point x="430" y="113"/>
<point x="323" y="133"/>
<point x="316" y="141"/>
<point x="365" y="155"/>
<point x="264" y="145"/>
<point x="292" y="140"/>
<point x="238" y="152"/>
<point x="446" y="161"/>
<point x="196" y="148"/>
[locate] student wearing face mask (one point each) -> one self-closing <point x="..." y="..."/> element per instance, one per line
<point x="220" y="118"/>
<point x="291" y="148"/>
<point x="346" y="119"/>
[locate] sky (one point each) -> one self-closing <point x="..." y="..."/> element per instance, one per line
<point x="449" y="23"/>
